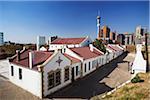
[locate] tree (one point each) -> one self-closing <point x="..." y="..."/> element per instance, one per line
<point x="99" y="45"/>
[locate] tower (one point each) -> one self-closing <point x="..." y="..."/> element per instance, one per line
<point x="98" y="27"/>
<point x="40" y="42"/>
<point x="1" y="38"/>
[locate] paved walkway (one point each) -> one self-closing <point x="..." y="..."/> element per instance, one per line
<point x="100" y="81"/>
<point x="4" y="68"/>
<point x="9" y="91"/>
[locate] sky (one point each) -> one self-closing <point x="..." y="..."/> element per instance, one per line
<point x="22" y="22"/>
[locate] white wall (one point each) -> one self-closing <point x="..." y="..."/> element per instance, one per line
<point x="56" y="46"/>
<point x="31" y="80"/>
<point x="79" y="70"/>
<point x="91" y="67"/>
<point x="53" y="65"/>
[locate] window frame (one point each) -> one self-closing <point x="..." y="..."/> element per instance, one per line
<point x="53" y="79"/>
<point x="68" y="74"/>
<point x="20" y="73"/>
<point x="85" y="67"/>
<point x="12" y="70"/>
<point x="77" y="70"/>
<point x="59" y="81"/>
<point x="89" y="65"/>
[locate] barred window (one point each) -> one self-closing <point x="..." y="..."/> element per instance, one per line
<point x="50" y="80"/>
<point x="67" y="74"/>
<point x="20" y="73"/>
<point x="57" y="77"/>
<point x="12" y="70"/>
<point x="85" y="67"/>
<point x="89" y="66"/>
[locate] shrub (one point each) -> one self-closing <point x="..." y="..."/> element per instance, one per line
<point x="137" y="79"/>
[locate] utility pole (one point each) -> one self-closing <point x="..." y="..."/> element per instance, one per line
<point x="146" y="51"/>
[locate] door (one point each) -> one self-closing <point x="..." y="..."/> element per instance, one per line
<point x="72" y="74"/>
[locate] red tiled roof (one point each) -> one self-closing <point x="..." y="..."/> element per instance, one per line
<point x="114" y="48"/>
<point x="68" y="41"/>
<point x="74" y="60"/>
<point x="109" y="47"/>
<point x="86" y="53"/>
<point x="39" y="58"/>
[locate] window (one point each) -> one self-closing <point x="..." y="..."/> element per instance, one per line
<point x="77" y="69"/>
<point x="12" y="70"/>
<point x="67" y="74"/>
<point x="20" y="73"/>
<point x="50" y="80"/>
<point x="64" y="50"/>
<point x="54" y="78"/>
<point x="85" y="67"/>
<point x="89" y="66"/>
<point x="57" y="77"/>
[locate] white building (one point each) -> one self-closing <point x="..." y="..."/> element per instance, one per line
<point x="139" y="64"/>
<point x="113" y="51"/>
<point x="40" y="41"/>
<point x="61" y="43"/>
<point x="44" y="72"/>
<point x="90" y="58"/>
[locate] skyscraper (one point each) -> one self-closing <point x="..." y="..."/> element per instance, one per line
<point x="1" y="38"/>
<point x="40" y="41"/>
<point x="98" y="28"/>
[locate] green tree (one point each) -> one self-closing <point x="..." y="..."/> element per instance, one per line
<point x="99" y="45"/>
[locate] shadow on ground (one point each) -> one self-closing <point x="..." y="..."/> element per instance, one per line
<point x="90" y="85"/>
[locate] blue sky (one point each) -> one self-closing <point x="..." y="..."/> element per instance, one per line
<point x="23" y="21"/>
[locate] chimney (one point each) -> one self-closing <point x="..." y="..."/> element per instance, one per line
<point x="91" y="47"/>
<point x="31" y="57"/>
<point x="18" y="55"/>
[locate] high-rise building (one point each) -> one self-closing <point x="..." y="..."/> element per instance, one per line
<point x="98" y="28"/>
<point x="106" y="32"/>
<point x="40" y="41"/>
<point x="1" y="38"/>
<point x="121" y="39"/>
<point x="139" y="32"/>
<point x="113" y="36"/>
<point x="128" y="38"/>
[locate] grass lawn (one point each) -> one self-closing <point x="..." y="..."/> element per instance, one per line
<point x="131" y="91"/>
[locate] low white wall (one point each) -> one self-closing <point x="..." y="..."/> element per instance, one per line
<point x="31" y="80"/>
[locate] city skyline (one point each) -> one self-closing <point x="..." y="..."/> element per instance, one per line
<point x="23" y="21"/>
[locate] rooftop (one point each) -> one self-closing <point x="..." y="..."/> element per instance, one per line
<point x="39" y="58"/>
<point x="74" y="60"/>
<point x="68" y="40"/>
<point x="86" y="53"/>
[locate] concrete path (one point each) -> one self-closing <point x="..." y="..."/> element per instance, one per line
<point x="121" y="73"/>
<point x="100" y="81"/>
<point x="9" y="91"/>
<point x="4" y="68"/>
